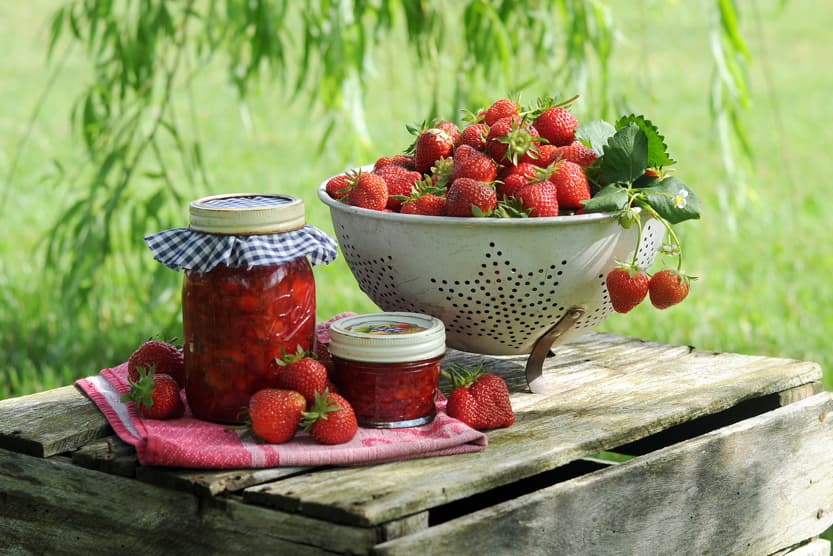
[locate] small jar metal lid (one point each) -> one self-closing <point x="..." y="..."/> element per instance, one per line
<point x="387" y="337"/>
<point x="247" y="214"/>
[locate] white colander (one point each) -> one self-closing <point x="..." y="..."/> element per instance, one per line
<point x="499" y="285"/>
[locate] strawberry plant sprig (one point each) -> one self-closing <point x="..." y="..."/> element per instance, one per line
<point x="629" y="177"/>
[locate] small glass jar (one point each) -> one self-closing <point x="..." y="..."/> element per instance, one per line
<point x="248" y="294"/>
<point x="387" y="365"/>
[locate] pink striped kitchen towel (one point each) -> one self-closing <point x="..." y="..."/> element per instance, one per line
<point x="193" y="443"/>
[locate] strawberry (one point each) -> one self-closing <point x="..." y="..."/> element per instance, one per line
<point x="668" y="287"/>
<point x="513" y="178"/>
<point x="577" y="152"/>
<point x="404" y="160"/>
<point x="338" y="186"/>
<point x="330" y="419"/>
<point x="450" y="128"/>
<point x="400" y="182"/>
<point x="478" y="399"/>
<point x="426" y="204"/>
<point x="165" y="358"/>
<point x="431" y="145"/>
<point x="627" y="286"/>
<point x="473" y="135"/>
<point x="471" y="163"/>
<point x="547" y="154"/>
<point x="302" y="373"/>
<point x="557" y="125"/>
<point x="510" y="140"/>
<point x="369" y="191"/>
<point x="273" y="415"/>
<point x="539" y="198"/>
<point x="572" y="184"/>
<point x="156" y="395"/>
<point x="426" y="199"/>
<point x="501" y="108"/>
<point x="468" y="197"/>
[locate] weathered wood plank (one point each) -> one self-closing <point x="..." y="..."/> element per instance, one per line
<point x="48" y="506"/>
<point x="213" y="483"/>
<point x="752" y="488"/>
<point x="609" y="392"/>
<point x="50" y="422"/>
<point x="110" y="455"/>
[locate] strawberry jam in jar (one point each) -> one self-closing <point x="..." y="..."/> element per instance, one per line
<point x="387" y="365"/>
<point x="248" y="295"/>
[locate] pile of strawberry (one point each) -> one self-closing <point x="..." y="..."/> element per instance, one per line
<point x="506" y="162"/>
<point x="303" y="397"/>
<point x="510" y="161"/>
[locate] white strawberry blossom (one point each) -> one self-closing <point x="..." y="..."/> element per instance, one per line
<point x="680" y="199"/>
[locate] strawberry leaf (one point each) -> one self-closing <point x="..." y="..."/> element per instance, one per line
<point x="625" y="157"/>
<point x="595" y="135"/>
<point x="612" y="198"/>
<point x="673" y="200"/>
<point x="657" y="150"/>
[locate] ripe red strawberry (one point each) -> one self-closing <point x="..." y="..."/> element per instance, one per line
<point x="471" y="163"/>
<point x="165" y="358"/>
<point x="480" y="400"/>
<point x="627" y="286"/>
<point x="330" y="419"/>
<point x="404" y="160"/>
<point x="302" y="373"/>
<point x="668" y="287"/>
<point x="338" y="186"/>
<point x="400" y="183"/>
<point x="577" y="152"/>
<point x="468" y="197"/>
<point x="369" y="191"/>
<point x="426" y="199"/>
<point x="156" y="395"/>
<point x="513" y="178"/>
<point x="547" y="154"/>
<point x="572" y="185"/>
<point x="540" y="198"/>
<point x="510" y="140"/>
<point x="557" y="125"/>
<point x="274" y="414"/>
<point x="473" y="135"/>
<point x="431" y="145"/>
<point x="450" y="128"/>
<point x="499" y="109"/>
<point x="426" y="204"/>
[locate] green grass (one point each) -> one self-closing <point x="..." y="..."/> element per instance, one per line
<point x="759" y="250"/>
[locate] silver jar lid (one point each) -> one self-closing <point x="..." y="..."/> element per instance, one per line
<point x="387" y="337"/>
<point x="247" y="213"/>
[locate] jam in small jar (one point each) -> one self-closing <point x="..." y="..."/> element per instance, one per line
<point x="387" y="365"/>
<point x="248" y="295"/>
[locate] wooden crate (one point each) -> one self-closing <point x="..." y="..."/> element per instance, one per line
<point x="718" y="453"/>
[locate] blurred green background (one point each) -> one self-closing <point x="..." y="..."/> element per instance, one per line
<point x="760" y="250"/>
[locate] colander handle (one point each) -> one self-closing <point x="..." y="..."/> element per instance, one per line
<point x="535" y="363"/>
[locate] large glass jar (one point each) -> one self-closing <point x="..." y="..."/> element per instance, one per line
<point x="248" y="295"/>
<point x="237" y="322"/>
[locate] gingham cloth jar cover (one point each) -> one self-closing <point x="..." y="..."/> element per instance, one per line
<point x="267" y="240"/>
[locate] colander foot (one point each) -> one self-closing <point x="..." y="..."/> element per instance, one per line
<point x="535" y="363"/>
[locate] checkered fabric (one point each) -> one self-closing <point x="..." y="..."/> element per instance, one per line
<point x="186" y="249"/>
